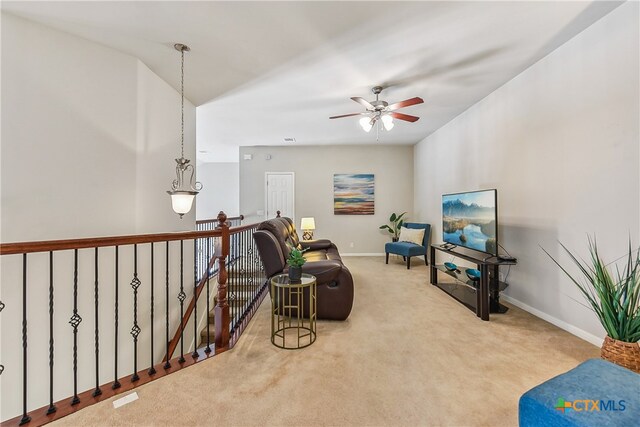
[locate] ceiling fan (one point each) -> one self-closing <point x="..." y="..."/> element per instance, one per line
<point x="381" y="111"/>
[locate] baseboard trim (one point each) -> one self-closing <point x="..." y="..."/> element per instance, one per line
<point x="363" y="254"/>
<point x="593" y="339"/>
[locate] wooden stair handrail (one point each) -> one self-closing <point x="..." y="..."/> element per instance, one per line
<point x="98" y="242"/>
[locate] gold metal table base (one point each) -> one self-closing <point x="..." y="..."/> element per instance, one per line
<point x="293" y="312"/>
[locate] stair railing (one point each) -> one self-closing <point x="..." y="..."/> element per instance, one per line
<point x="94" y="269"/>
<point x="202" y="249"/>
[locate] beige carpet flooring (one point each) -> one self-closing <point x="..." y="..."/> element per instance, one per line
<point x="408" y="355"/>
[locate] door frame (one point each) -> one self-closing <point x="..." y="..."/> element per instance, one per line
<point x="293" y="190"/>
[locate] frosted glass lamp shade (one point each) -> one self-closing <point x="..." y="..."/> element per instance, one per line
<point x="365" y="122"/>
<point x="387" y="121"/>
<point x="307" y="225"/>
<point x="181" y="201"/>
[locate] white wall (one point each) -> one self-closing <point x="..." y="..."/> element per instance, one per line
<point x="221" y="191"/>
<point x="88" y="141"/>
<point x="314" y="167"/>
<point x="560" y="142"/>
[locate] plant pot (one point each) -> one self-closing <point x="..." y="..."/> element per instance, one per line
<point x="625" y="354"/>
<point x="295" y="274"/>
<point x="394" y="239"/>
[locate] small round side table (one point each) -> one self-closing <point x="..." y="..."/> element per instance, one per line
<point x="293" y="311"/>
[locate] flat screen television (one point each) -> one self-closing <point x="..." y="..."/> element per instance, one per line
<point x="471" y="220"/>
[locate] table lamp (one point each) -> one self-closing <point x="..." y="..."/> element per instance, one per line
<point x="307" y="225"/>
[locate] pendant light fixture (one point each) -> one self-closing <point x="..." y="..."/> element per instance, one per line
<point x="182" y="194"/>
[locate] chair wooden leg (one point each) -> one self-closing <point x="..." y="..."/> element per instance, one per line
<point x="408" y="263"/>
<point x="404" y="258"/>
<point x="387" y="260"/>
<point x="426" y="260"/>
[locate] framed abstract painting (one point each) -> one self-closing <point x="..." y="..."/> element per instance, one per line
<point x="353" y="194"/>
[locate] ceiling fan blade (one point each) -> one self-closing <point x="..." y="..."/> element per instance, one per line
<point x="364" y="102"/>
<point x="345" y="115"/>
<point x="404" y="117"/>
<point x="405" y="103"/>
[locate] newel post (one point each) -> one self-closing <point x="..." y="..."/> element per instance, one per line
<point x="221" y="311"/>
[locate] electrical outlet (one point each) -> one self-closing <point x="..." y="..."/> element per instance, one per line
<point x="351" y="245"/>
<point x="501" y="277"/>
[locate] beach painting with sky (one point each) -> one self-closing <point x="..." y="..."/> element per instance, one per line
<point x="353" y="194"/>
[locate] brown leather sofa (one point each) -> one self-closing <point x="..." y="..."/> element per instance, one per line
<point x="276" y="238"/>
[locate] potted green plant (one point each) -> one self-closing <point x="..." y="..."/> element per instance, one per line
<point x="396" y="222"/>
<point x="295" y="262"/>
<point x="616" y="302"/>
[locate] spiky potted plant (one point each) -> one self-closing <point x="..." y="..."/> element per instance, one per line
<point x="295" y="262"/>
<point x="394" y="228"/>
<point x="616" y="302"/>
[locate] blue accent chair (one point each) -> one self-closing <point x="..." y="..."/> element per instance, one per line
<point x="612" y="393"/>
<point x="406" y="249"/>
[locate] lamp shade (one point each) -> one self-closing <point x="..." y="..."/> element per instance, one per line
<point x="366" y="124"/>
<point x="181" y="201"/>
<point x="387" y="121"/>
<point x="308" y="224"/>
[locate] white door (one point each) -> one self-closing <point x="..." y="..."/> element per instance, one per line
<point x="279" y="194"/>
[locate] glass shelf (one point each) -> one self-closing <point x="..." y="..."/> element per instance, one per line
<point x="462" y="278"/>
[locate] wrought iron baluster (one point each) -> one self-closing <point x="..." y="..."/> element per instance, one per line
<point x="97" y="391"/>
<point x="232" y="283"/>
<point x="252" y="263"/>
<point x="195" y="305"/>
<point x="236" y="285"/>
<point x="246" y="275"/>
<point x="240" y="277"/>
<point x="207" y="272"/>
<point x="52" y="407"/>
<point x="116" y="382"/>
<point x="135" y="330"/>
<point x="152" y="370"/>
<point x="75" y="322"/>
<point x="167" y="364"/>
<point x="232" y="280"/>
<point x="25" y="418"/>
<point x="181" y="297"/>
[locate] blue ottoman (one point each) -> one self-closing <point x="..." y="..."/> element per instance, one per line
<point x="595" y="393"/>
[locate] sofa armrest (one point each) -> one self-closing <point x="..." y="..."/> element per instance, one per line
<point x="324" y="271"/>
<point x="314" y="245"/>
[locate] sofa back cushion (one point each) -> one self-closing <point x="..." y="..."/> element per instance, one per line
<point x="293" y="239"/>
<point x="285" y="233"/>
<point x="280" y="232"/>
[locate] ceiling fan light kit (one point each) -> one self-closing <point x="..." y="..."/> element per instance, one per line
<point x="380" y="111"/>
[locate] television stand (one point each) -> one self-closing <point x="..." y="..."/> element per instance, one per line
<point x="482" y="296"/>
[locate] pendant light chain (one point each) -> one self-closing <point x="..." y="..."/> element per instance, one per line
<point x="182" y="105"/>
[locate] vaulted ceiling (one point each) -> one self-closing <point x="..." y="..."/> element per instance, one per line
<point x="264" y="71"/>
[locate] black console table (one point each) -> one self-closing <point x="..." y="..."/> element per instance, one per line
<point x="483" y="296"/>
